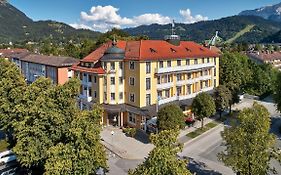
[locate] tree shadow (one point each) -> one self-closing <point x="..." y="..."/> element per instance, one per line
<point x="200" y="168"/>
<point x="142" y="137"/>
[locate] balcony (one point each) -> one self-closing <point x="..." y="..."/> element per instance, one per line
<point x="164" y="85"/>
<point x="183" y="97"/>
<point x="167" y="100"/>
<point x="183" y="68"/>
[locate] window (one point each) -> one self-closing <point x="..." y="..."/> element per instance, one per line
<point x="132" y="81"/>
<point x="215" y="60"/>
<point x="215" y="83"/>
<point x="206" y="83"/>
<point x="90" y="92"/>
<point x="95" y="79"/>
<point x="112" y="66"/>
<point x="203" y="60"/>
<point x="165" y="78"/>
<point x="89" y="78"/>
<point x="206" y="72"/>
<point x="158" y="80"/>
<point x="105" y="96"/>
<point x="112" y="80"/>
<point x="189" y="75"/>
<point x="148" y="99"/>
<point x="95" y="94"/>
<point x="170" y="78"/>
<point x="132" y="65"/>
<point x="148" y="67"/>
<point x="169" y="63"/>
<point x="201" y="73"/>
<point x="120" y="80"/>
<point x="188" y="91"/>
<point x="121" y="95"/>
<point x="215" y="72"/>
<point x="167" y="93"/>
<point x="208" y="60"/>
<point x="195" y="61"/>
<point x="132" y="97"/>
<point x="132" y="118"/>
<point x="178" y="91"/>
<point x="120" y="65"/>
<point x="104" y="66"/>
<point x="161" y="64"/>
<point x="159" y="94"/>
<point x="112" y="96"/>
<point x="178" y="62"/>
<point x="148" y="84"/>
<point x="188" y="62"/>
<point x="178" y="77"/>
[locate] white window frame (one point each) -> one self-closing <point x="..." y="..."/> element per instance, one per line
<point x="132" y="94"/>
<point x="131" y="65"/>
<point x="132" y="83"/>
<point x="134" y="118"/>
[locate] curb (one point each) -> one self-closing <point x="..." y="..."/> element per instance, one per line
<point x="205" y="133"/>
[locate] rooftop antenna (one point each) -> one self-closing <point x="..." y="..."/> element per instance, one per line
<point x="173" y="27"/>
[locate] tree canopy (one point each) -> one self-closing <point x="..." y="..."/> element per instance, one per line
<point x="249" y="145"/>
<point x="162" y="160"/>
<point x="203" y="106"/>
<point x="51" y="135"/>
<point x="170" y="117"/>
<point x="222" y="98"/>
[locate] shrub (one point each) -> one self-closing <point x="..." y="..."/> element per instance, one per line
<point x="130" y="131"/>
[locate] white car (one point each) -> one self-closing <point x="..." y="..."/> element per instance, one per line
<point x="7" y="157"/>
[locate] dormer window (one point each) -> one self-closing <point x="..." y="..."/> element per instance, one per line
<point x="187" y="49"/>
<point x="173" y="50"/>
<point x="202" y="49"/>
<point x="152" y="50"/>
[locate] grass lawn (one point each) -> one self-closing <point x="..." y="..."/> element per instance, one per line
<point x="3" y="145"/>
<point x="200" y="131"/>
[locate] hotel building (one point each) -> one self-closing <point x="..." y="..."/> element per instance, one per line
<point x="132" y="80"/>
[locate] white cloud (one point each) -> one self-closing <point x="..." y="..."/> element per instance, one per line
<point x="103" y="18"/>
<point x="80" y="26"/>
<point x="188" y="18"/>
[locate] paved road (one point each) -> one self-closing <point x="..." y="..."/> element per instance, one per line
<point x="203" y="153"/>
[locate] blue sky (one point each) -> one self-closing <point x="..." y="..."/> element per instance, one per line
<point x="126" y="13"/>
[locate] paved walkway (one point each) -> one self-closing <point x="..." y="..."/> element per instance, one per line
<point x="125" y="147"/>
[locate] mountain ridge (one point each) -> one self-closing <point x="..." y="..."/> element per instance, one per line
<point x="20" y="27"/>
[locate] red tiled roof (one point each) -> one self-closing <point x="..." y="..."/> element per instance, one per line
<point x="265" y="56"/>
<point x="97" y="69"/>
<point x="9" y="52"/>
<point x="150" y="50"/>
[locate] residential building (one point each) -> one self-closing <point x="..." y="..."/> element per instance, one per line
<point x="133" y="79"/>
<point x="6" y="53"/>
<point x="33" y="66"/>
<point x="266" y="57"/>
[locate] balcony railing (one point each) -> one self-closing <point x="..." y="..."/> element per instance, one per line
<point x="183" y="97"/>
<point x="183" y="68"/>
<point x="164" y="85"/>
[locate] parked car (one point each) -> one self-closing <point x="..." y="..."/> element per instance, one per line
<point x="7" y="157"/>
<point x="189" y="121"/>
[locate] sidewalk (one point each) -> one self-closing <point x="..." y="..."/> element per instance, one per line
<point x="124" y="146"/>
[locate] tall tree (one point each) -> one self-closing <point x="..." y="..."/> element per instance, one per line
<point x="203" y="106"/>
<point x="249" y="145"/>
<point x="11" y="89"/>
<point x="162" y="160"/>
<point x="277" y="89"/>
<point x="52" y="128"/>
<point x="222" y="97"/>
<point x="170" y="117"/>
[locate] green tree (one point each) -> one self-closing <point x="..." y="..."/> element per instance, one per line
<point x="249" y="145"/>
<point x="277" y="94"/>
<point x="52" y="127"/>
<point x="162" y="160"/>
<point x="170" y="117"/>
<point x="203" y="106"/>
<point x="222" y="98"/>
<point x="11" y="89"/>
